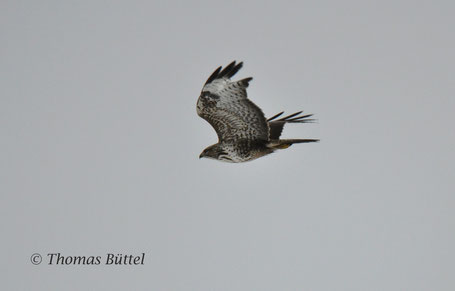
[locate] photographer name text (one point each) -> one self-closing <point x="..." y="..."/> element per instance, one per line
<point x="107" y="259"/>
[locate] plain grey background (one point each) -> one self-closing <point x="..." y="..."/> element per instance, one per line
<point x="100" y="143"/>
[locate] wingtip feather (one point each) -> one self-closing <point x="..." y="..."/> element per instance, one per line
<point x="214" y="75"/>
<point x="228" y="71"/>
<point x="275" y="116"/>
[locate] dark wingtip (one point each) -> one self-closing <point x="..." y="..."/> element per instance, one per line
<point x="291" y="116"/>
<point x="229" y="71"/>
<point x="213" y="76"/>
<point x="295" y="118"/>
<point x="234" y="70"/>
<point x="307" y="140"/>
<point x="302" y="118"/>
<point x="275" y="116"/>
<point x="226" y="70"/>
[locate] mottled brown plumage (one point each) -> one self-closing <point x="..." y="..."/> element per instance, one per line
<point x="244" y="134"/>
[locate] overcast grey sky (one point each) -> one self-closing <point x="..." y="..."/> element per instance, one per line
<point x="100" y="142"/>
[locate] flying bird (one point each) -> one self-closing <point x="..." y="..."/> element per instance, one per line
<point x="244" y="134"/>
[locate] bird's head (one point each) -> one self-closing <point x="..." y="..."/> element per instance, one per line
<point x="215" y="152"/>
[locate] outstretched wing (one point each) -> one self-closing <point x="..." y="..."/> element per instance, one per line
<point x="276" y="125"/>
<point x="224" y="104"/>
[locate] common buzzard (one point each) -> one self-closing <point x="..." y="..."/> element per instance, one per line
<point x="244" y="134"/>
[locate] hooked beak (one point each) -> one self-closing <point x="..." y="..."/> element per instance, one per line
<point x="201" y="155"/>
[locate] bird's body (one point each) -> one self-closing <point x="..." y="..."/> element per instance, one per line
<point x="244" y="134"/>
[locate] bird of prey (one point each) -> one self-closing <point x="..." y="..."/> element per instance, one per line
<point x="244" y="134"/>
